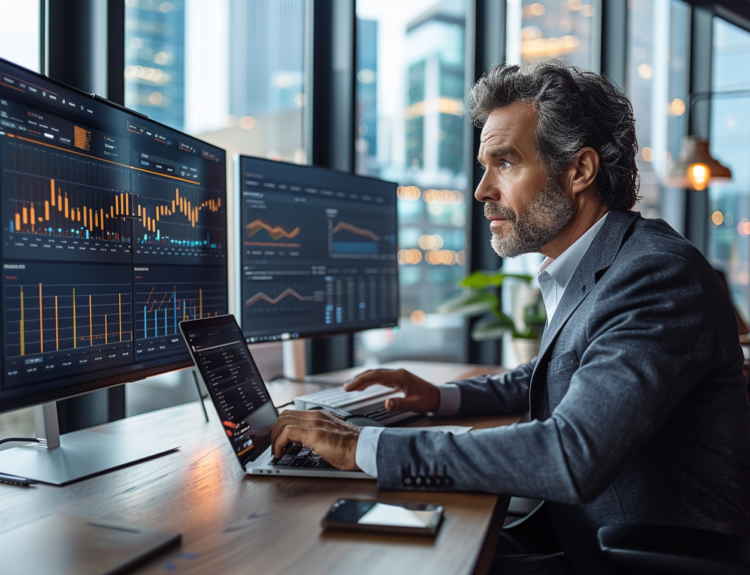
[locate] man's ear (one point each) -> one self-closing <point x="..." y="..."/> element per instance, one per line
<point x="581" y="174"/>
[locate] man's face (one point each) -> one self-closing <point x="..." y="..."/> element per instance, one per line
<point x="525" y="204"/>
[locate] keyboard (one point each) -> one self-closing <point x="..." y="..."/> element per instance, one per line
<point x="301" y="456"/>
<point x="338" y="398"/>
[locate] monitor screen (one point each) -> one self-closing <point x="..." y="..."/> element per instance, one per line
<point x="318" y="251"/>
<point x="113" y="231"/>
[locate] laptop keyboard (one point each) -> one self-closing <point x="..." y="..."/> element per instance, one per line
<point x="301" y="456"/>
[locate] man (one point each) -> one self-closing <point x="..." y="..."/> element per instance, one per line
<point x="637" y="399"/>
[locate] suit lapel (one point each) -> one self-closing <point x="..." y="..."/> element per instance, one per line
<point x="599" y="256"/>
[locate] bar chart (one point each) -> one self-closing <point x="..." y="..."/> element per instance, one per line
<point x="57" y="317"/>
<point x="167" y="295"/>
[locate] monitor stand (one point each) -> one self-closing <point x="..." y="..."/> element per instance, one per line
<point x="294" y="358"/>
<point x="59" y="460"/>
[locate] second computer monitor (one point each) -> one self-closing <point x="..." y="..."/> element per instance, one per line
<point x="318" y="251"/>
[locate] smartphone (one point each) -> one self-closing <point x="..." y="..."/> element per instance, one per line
<point x="384" y="517"/>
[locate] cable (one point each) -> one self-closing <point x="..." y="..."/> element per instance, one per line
<point x="22" y="439"/>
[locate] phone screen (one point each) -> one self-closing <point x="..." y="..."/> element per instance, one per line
<point x="414" y="515"/>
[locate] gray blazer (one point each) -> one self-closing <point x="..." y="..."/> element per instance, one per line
<point x="638" y="404"/>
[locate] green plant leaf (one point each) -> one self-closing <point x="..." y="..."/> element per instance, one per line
<point x="492" y="326"/>
<point x="480" y="280"/>
<point x="470" y="302"/>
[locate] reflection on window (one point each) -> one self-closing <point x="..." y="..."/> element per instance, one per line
<point x="231" y="72"/>
<point x="410" y="129"/>
<point x="20" y="43"/>
<point x="20" y="33"/>
<point x="549" y="29"/>
<point x="657" y="84"/>
<point x="729" y="206"/>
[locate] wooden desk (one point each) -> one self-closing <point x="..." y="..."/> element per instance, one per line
<point x="233" y="523"/>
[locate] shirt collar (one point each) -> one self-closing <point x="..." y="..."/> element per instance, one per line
<point x="562" y="268"/>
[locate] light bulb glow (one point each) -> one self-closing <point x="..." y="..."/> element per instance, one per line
<point x="698" y="175"/>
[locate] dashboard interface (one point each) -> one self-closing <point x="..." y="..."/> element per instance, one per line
<point x="238" y="392"/>
<point x="319" y="251"/>
<point x="113" y="230"/>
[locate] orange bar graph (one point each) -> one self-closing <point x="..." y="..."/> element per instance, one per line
<point x="52" y="189"/>
<point x="46" y="210"/>
<point x="127" y="205"/>
<point x="33" y="217"/>
<point x="22" y="327"/>
<point x="66" y="205"/>
<point x="200" y="299"/>
<point x="117" y="205"/>
<point x="18" y="222"/>
<point x="25" y="216"/>
<point x="41" y="322"/>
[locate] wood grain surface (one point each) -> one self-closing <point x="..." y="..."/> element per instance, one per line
<point x="233" y="523"/>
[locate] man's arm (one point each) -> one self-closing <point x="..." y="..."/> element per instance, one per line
<point x="498" y="394"/>
<point x="646" y="353"/>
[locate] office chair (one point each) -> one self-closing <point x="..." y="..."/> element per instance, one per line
<point x="660" y="550"/>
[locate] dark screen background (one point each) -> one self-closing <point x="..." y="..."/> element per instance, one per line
<point x="319" y="251"/>
<point x="113" y="231"/>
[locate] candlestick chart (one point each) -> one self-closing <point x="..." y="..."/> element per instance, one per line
<point x="52" y="198"/>
<point x="186" y="218"/>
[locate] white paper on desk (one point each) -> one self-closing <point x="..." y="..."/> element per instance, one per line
<point x="454" y="429"/>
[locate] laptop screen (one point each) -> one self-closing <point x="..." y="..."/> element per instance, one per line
<point x="238" y="392"/>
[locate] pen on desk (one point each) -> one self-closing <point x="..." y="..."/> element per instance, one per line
<point x="13" y="480"/>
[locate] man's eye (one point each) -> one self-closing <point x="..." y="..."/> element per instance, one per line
<point x="504" y="164"/>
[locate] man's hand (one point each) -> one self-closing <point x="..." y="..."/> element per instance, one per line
<point x="420" y="396"/>
<point x="328" y="436"/>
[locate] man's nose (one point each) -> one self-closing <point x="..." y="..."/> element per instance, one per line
<point x="487" y="190"/>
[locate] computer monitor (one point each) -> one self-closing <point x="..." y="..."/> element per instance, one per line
<point x="113" y="231"/>
<point x="318" y="251"/>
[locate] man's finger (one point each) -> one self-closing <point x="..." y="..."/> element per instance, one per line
<point x="371" y="377"/>
<point x="290" y="433"/>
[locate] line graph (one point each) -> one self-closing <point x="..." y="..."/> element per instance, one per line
<point x="288" y="292"/>
<point x="352" y="241"/>
<point x="167" y="295"/>
<point x="276" y="232"/>
<point x="347" y="227"/>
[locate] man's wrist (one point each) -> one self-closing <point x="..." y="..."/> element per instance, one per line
<point x="450" y="400"/>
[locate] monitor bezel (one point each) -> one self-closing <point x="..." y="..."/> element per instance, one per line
<point x="235" y="234"/>
<point x="7" y="400"/>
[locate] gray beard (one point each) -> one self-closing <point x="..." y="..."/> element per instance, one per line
<point x="550" y="212"/>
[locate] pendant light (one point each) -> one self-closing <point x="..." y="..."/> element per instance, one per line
<point x="696" y="168"/>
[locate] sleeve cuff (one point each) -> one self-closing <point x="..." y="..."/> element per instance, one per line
<point x="366" y="456"/>
<point x="450" y="400"/>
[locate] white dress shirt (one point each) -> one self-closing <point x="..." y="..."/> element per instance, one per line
<point x="554" y="276"/>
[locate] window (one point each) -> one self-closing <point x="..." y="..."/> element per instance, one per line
<point x="658" y="65"/>
<point x="729" y="206"/>
<point x="20" y="42"/>
<point x="238" y="83"/>
<point x="549" y="29"/>
<point x="20" y="33"/>
<point x="410" y="94"/>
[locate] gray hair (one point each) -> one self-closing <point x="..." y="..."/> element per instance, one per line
<point x="576" y="109"/>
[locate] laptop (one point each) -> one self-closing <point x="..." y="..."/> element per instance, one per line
<point x="243" y="403"/>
